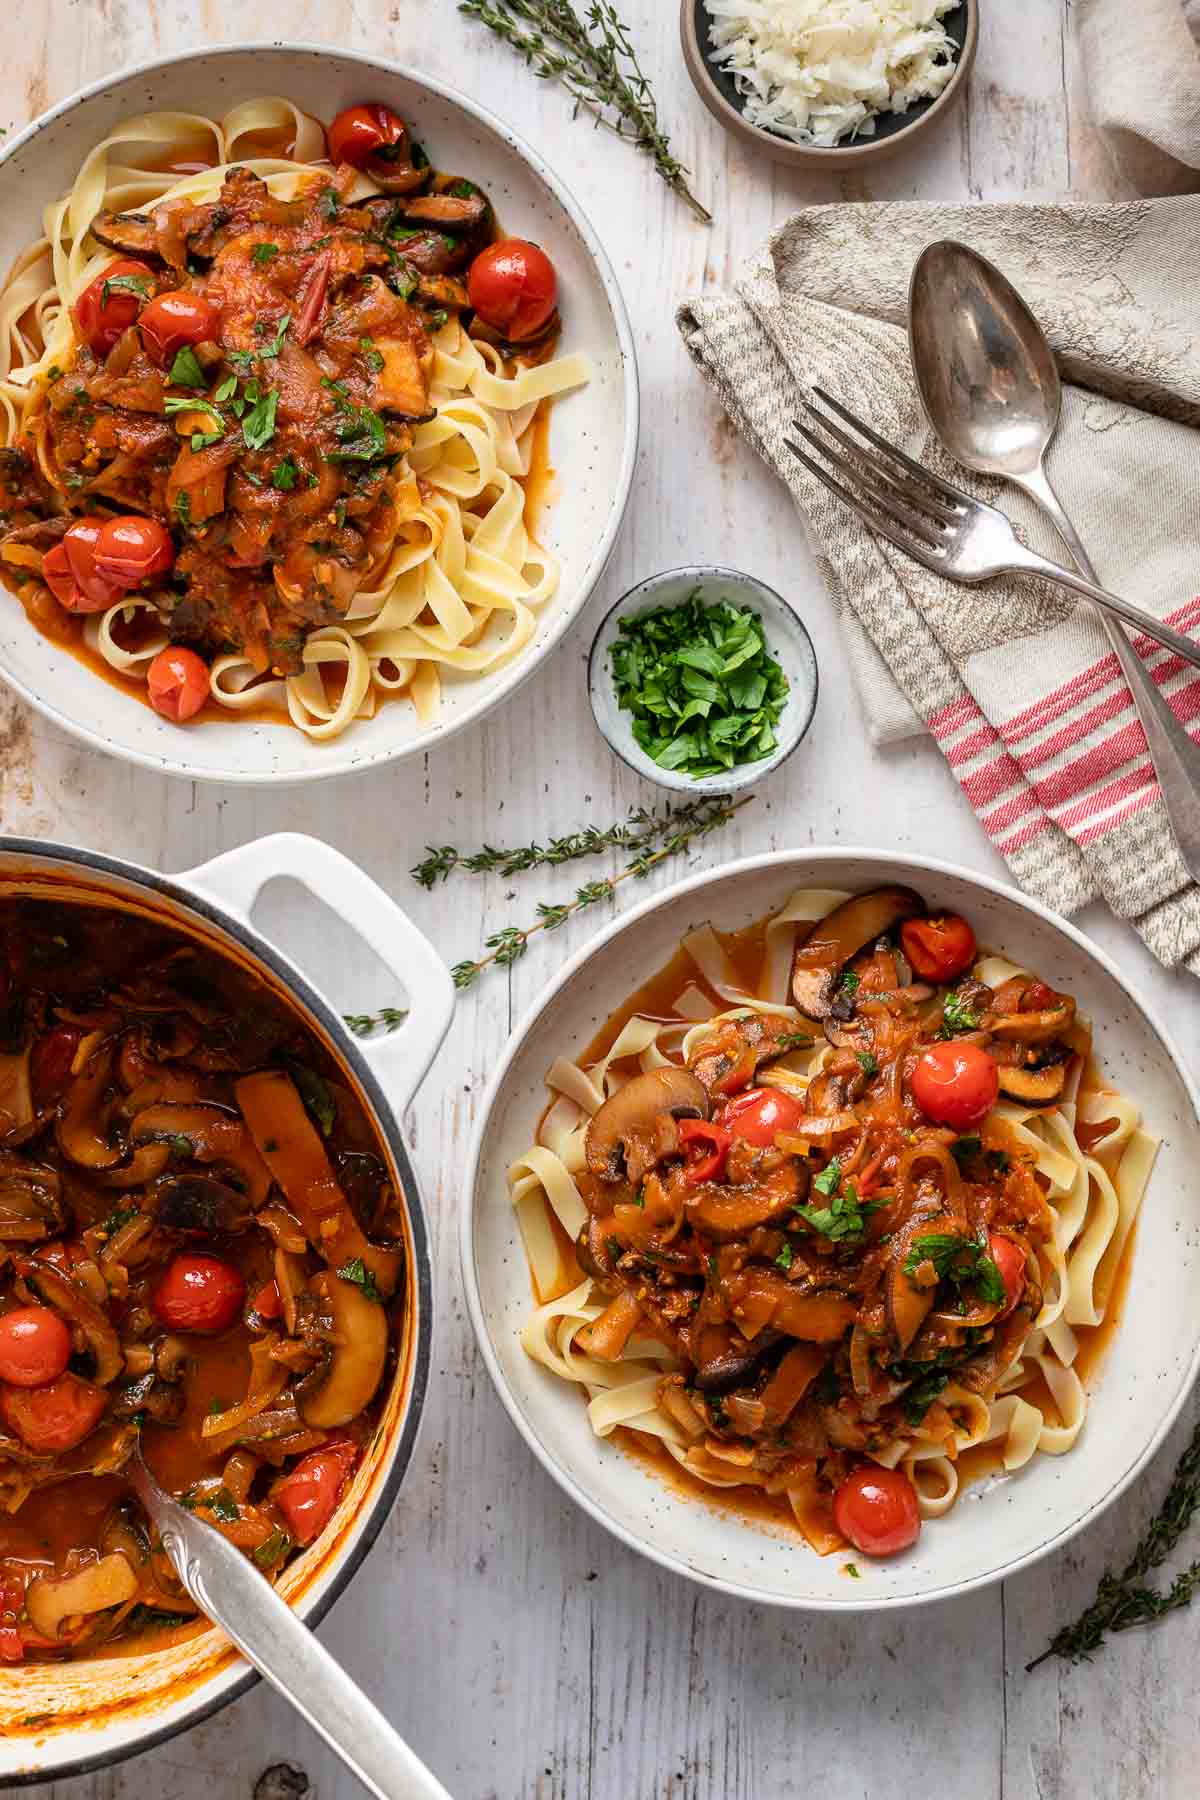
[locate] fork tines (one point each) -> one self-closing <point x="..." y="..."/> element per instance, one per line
<point x="896" y="496"/>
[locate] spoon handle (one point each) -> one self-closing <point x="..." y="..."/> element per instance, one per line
<point x="288" y="1655"/>
<point x="1175" y="756"/>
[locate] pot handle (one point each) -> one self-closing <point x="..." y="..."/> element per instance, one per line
<point x="403" y="1056"/>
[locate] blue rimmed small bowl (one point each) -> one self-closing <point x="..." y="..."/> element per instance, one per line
<point x="787" y="641"/>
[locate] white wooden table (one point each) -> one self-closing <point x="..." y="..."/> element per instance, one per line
<point x="520" y="1650"/>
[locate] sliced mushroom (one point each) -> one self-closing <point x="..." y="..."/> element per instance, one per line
<point x="60" y="1292"/>
<point x="592" y="1252"/>
<point x="147" y="1161"/>
<point x="820" y="959"/>
<point x="199" y="1203"/>
<point x="1035" y="1027"/>
<point x="449" y="212"/>
<point x="908" y="1303"/>
<point x="80" y="1137"/>
<point x="49" y="1599"/>
<point x="1037" y="1087"/>
<point x="131" y="234"/>
<point x="31" y="1205"/>
<point x="725" y="1360"/>
<point x="618" y="1134"/>
<point x="216" y="1135"/>
<point x="148" y="1397"/>
<point x="345" y="1381"/>
<point x="16" y="1096"/>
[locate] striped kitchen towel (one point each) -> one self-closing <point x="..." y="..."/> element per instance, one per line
<point x="1014" y="679"/>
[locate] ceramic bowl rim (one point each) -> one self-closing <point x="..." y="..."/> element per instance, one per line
<point x="767" y="862"/>
<point x="742" y="775"/>
<point x="523" y="667"/>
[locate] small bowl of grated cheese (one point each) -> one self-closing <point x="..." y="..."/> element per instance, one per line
<point x="832" y="82"/>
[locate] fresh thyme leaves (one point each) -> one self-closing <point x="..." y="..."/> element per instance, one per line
<point x="964" y="1261"/>
<point x="186" y="370"/>
<point x="258" y="426"/>
<point x="593" y="58"/>
<point x="704" y="693"/>
<point x="125" y="284"/>
<point x="357" y="1271"/>
<point x="388" y="1018"/>
<point x="510" y="944"/>
<point x="643" y="828"/>
<point x="957" y="1015"/>
<point x="1123" y="1601"/>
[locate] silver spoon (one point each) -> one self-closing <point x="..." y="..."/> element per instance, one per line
<point x="226" y="1585"/>
<point x="989" y="385"/>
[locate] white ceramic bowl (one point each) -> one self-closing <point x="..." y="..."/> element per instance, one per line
<point x="997" y="1527"/>
<point x="787" y="641"/>
<point x="593" y="433"/>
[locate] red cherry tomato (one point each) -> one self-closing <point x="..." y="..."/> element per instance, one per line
<point x="877" y="1510"/>
<point x="955" y="1084"/>
<point x="267" y="1303"/>
<point x="53" y="1418"/>
<point x="100" y="318"/>
<point x="711" y="1141"/>
<point x="131" y="549"/>
<point x="198" y="1293"/>
<point x="938" y="949"/>
<point x="759" y="1113"/>
<point x="173" y="320"/>
<point x="178" y="683"/>
<point x="71" y="573"/>
<point x="50" y="1062"/>
<point x="1009" y="1258"/>
<point x="35" y="1346"/>
<point x="307" y="1497"/>
<point x="512" y="286"/>
<point x="360" y="132"/>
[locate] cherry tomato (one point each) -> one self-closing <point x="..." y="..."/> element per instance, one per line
<point x="1038" y="998"/>
<point x="877" y="1510"/>
<point x="50" y="1062"/>
<point x="35" y="1346"/>
<point x="955" y="1084"/>
<point x="198" y="1293"/>
<point x="711" y="1141"/>
<point x="512" y="286"/>
<point x="1009" y="1258"/>
<point x="131" y="549"/>
<point x="178" y="683"/>
<point x="173" y="320"/>
<point x="307" y="1497"/>
<point x="938" y="949"/>
<point x="71" y="573"/>
<point x="101" y="318"/>
<point x="361" y="132"/>
<point x="267" y="1303"/>
<point x="55" y="1417"/>
<point x="759" y="1113"/>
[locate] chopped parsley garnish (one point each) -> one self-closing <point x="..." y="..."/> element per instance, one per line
<point x="186" y="370"/>
<point x="283" y="475"/>
<point x="853" y="1571"/>
<point x="403" y="279"/>
<point x="844" y="1218"/>
<point x="276" y="344"/>
<point x="221" y="1503"/>
<point x="922" y="1394"/>
<point x="329" y="203"/>
<point x="793" y="1040"/>
<point x="417" y="157"/>
<point x="183" y="507"/>
<point x="242" y="359"/>
<point x="226" y="391"/>
<point x="371" y="355"/>
<point x="258" y="426"/>
<point x="964" y="1148"/>
<point x="462" y="190"/>
<point x="361" y="433"/>
<point x="784" y="1259"/>
<point x="829" y="1180"/>
<point x="125" y="284"/>
<point x="850" y="982"/>
<point x="868" y="1062"/>
<point x="438" y="319"/>
<point x="180" y="1145"/>
<point x="357" y="1272"/>
<point x="264" y="253"/>
<point x="316" y="1094"/>
<point x="202" y="439"/>
<point x="189" y="403"/>
<point x="704" y="693"/>
<point x="957" y="1015"/>
<point x="714" y="1267"/>
<point x="272" y="1549"/>
<point x="120" y="1215"/>
<point x="961" y="1260"/>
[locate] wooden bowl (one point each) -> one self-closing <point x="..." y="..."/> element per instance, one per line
<point x="893" y="131"/>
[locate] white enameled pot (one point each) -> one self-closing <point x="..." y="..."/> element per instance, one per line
<point x="997" y="1527"/>
<point x="593" y="431"/>
<point x="87" y="1714"/>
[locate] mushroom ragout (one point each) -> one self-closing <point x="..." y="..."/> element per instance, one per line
<point x="844" y="1202"/>
<point x="198" y="1242"/>
<point x="266" y="437"/>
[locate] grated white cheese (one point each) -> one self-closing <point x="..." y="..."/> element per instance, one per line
<point x="818" y="71"/>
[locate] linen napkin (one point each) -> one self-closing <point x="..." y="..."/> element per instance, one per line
<point x="1014" y="679"/>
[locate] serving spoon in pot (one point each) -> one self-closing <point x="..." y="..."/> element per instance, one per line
<point x="235" y="1596"/>
<point x="990" y="388"/>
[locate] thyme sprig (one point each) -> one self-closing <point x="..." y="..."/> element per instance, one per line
<point x="593" y="58"/>
<point x="643" y="827"/>
<point x="1123" y="1601"/>
<point x="388" y="1018"/>
<point x="509" y="945"/>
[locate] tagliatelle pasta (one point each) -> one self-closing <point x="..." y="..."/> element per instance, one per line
<point x="423" y="569"/>
<point x="1045" y="1198"/>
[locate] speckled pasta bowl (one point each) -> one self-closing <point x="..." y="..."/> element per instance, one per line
<point x="1000" y="1524"/>
<point x="592" y="434"/>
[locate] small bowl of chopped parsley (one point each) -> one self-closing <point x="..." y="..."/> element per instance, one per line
<point x="702" y="679"/>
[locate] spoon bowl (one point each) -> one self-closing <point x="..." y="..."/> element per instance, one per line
<point x="985" y="373"/>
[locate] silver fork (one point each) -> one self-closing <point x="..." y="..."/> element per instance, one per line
<point x="937" y="524"/>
